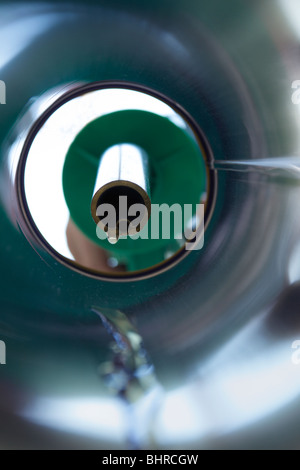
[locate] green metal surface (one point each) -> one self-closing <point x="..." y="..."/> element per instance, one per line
<point x="177" y="176"/>
<point x="85" y="46"/>
<point x="219" y="61"/>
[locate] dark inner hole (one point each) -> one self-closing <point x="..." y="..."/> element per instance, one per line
<point x="112" y="196"/>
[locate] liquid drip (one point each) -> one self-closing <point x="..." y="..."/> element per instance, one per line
<point x="130" y="374"/>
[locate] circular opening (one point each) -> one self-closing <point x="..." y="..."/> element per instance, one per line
<point x="112" y="196"/>
<point x="41" y="168"/>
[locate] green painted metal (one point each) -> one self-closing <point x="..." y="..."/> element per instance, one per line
<point x="170" y="47"/>
<point x="177" y="176"/>
<point x="102" y="46"/>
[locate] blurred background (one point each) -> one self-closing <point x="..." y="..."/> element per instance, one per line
<point x="199" y="356"/>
